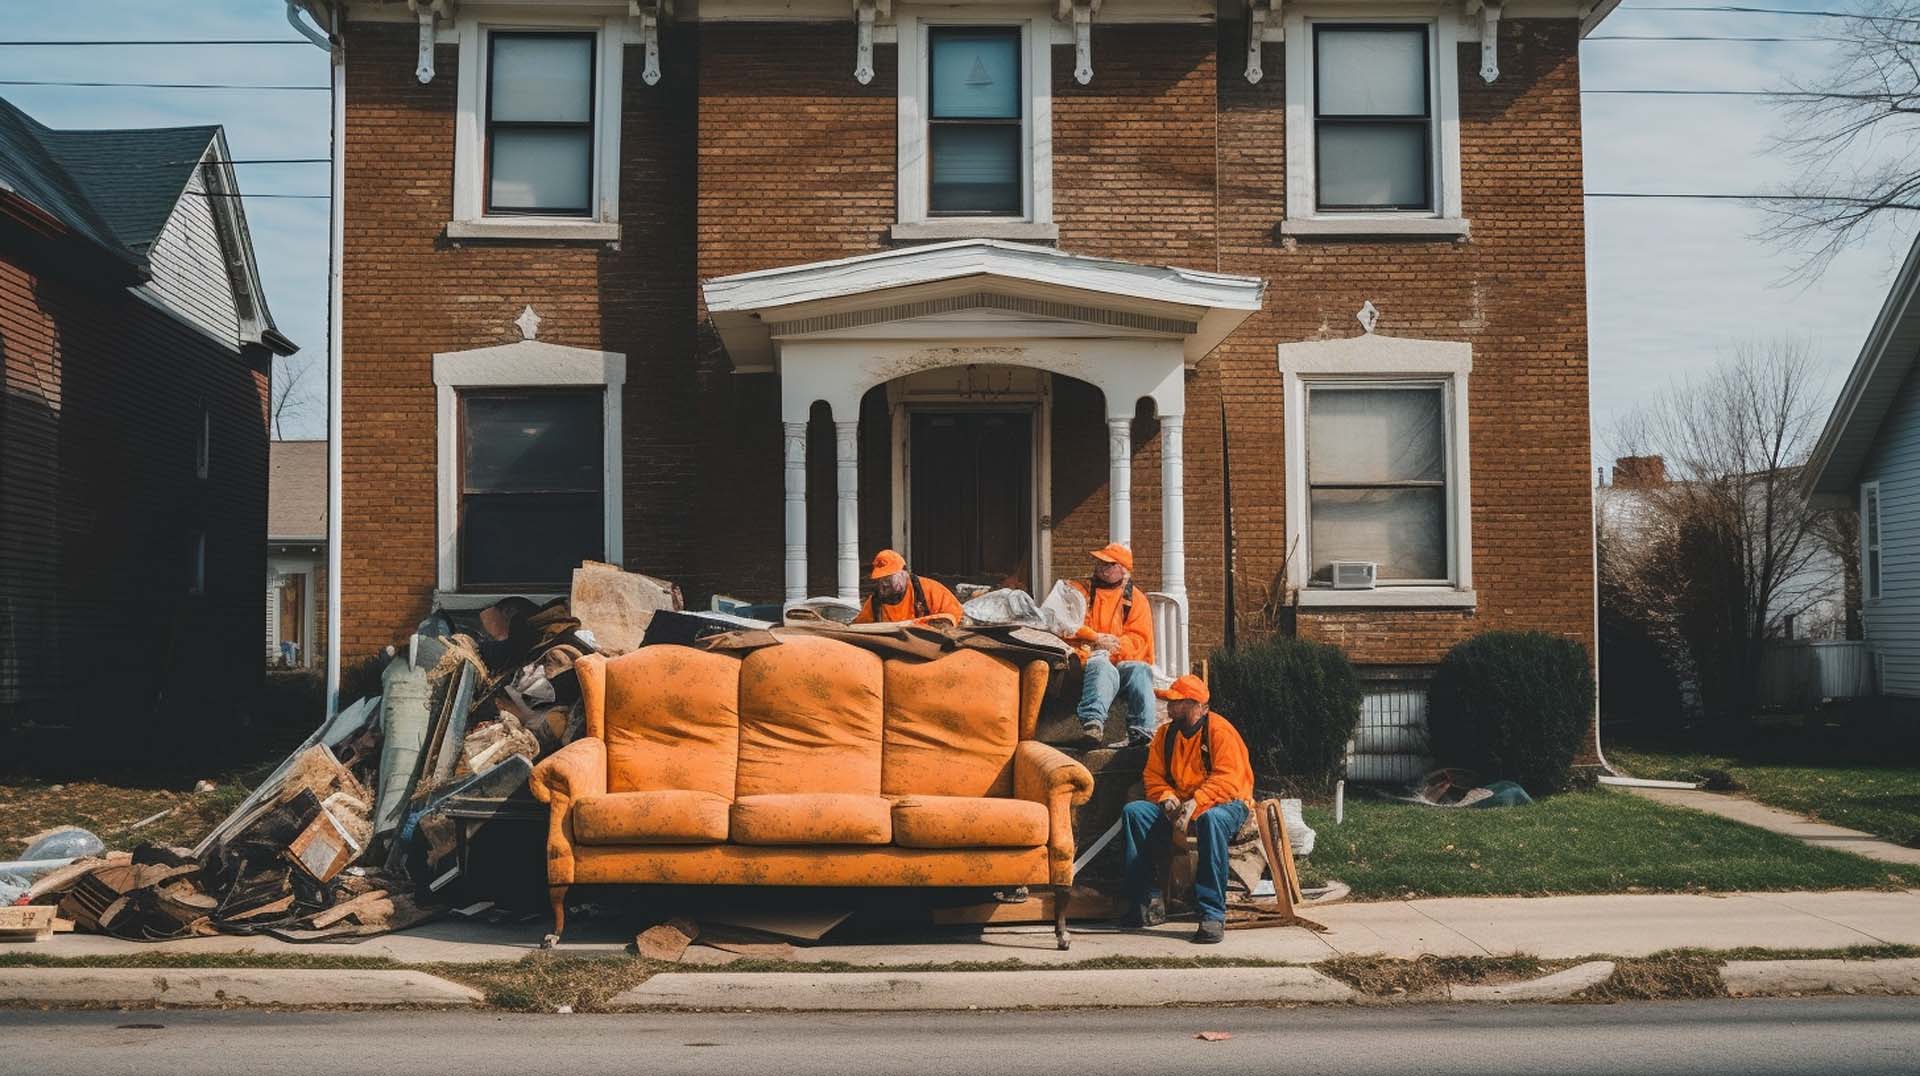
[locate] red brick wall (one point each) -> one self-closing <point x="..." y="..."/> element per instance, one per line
<point x="759" y="149"/>
<point x="99" y="501"/>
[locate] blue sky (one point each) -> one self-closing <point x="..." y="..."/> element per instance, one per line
<point x="1671" y="284"/>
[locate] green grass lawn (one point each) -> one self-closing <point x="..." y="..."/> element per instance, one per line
<point x="1879" y="799"/>
<point x="1580" y="842"/>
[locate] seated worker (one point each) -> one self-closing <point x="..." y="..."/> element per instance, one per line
<point x="1117" y="639"/>
<point x="900" y="595"/>
<point x="1199" y="779"/>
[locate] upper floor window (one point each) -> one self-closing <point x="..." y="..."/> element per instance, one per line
<point x="540" y="123"/>
<point x="203" y="449"/>
<point x="1870" y="539"/>
<point x="976" y="133"/>
<point x="1373" y="117"/>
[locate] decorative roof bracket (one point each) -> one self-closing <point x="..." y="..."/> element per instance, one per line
<point x="647" y="16"/>
<point x="865" y="13"/>
<point x="1489" y="13"/>
<point x="1259" y="14"/>
<point x="1079" y="14"/>
<point x="427" y="11"/>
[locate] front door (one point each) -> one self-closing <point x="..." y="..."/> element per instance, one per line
<point x="971" y="476"/>
<point x="293" y="618"/>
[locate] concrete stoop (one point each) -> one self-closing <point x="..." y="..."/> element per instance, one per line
<point x="949" y="990"/>
<point x="236" y="987"/>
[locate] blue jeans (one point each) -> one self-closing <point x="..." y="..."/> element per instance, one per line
<point x="1147" y="827"/>
<point x="1131" y="680"/>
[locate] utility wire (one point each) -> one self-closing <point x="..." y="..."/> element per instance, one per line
<point x="157" y="85"/>
<point x="1738" y="9"/>
<point x="182" y="41"/>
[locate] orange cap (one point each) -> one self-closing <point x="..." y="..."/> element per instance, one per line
<point x="1187" y="687"/>
<point x="1115" y="553"/>
<point x="885" y="563"/>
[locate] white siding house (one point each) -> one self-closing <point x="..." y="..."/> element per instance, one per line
<point x="1868" y="457"/>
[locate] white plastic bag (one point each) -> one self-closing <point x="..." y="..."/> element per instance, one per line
<point x="1004" y="607"/>
<point x="1065" y="609"/>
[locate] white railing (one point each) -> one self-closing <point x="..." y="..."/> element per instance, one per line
<point x="1170" y="659"/>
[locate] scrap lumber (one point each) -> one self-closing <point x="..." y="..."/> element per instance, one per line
<point x="801" y="925"/>
<point x="27" y="922"/>
<point x="1083" y="904"/>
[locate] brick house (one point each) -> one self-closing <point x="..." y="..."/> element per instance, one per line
<point x="296" y="554"/>
<point x="133" y="433"/>
<point x="737" y="295"/>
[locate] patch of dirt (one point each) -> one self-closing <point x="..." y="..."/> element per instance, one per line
<point x="1429" y="976"/>
<point x="1661" y="977"/>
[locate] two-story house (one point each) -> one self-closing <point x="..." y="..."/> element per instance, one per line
<point x="736" y="293"/>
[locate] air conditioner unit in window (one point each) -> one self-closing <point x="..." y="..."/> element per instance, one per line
<point x="1354" y="574"/>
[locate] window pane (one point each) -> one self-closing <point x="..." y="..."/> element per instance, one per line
<point x="542" y="169"/>
<point x="541" y="441"/>
<point x="1375" y="435"/>
<point x="519" y="539"/>
<point x="542" y="77"/>
<point x="976" y="169"/>
<point x="975" y="74"/>
<point x="1372" y="72"/>
<point x="1372" y="164"/>
<point x="1404" y="530"/>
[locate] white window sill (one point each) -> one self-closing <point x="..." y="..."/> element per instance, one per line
<point x="1388" y="598"/>
<point x="1016" y="230"/>
<point x="580" y="230"/>
<point x="461" y="601"/>
<point x="1448" y="227"/>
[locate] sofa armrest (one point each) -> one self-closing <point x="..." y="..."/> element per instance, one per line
<point x="1042" y="774"/>
<point x="576" y="770"/>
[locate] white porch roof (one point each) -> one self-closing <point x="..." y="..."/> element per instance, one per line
<point x="1112" y="298"/>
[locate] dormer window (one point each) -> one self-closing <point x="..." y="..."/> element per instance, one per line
<point x="540" y="124"/>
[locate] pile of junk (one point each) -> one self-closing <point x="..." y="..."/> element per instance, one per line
<point x="401" y="808"/>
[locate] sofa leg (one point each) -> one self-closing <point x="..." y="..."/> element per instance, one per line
<point x="1061" y="894"/>
<point x="558" y="894"/>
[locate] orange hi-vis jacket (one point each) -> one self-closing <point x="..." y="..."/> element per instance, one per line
<point x="1104" y="610"/>
<point x="1231" y="777"/>
<point x="939" y="600"/>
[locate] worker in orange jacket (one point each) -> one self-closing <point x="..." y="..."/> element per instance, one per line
<point x="900" y="595"/>
<point x="1116" y="644"/>
<point x="1199" y="781"/>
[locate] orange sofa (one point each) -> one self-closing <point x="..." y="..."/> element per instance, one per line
<point x="810" y="763"/>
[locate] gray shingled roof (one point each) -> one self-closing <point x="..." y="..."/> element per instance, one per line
<point x="116" y="187"/>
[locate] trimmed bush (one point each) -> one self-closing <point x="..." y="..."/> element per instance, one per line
<point x="1512" y="705"/>
<point x="1295" y="703"/>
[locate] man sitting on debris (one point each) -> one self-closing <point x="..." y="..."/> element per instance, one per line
<point x="1199" y="780"/>
<point x="1117" y="646"/>
<point x="900" y="595"/>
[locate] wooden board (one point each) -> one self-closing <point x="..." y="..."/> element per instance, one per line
<point x="27" y="921"/>
<point x="1084" y="904"/>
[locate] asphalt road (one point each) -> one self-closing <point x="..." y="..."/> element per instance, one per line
<point x="1857" y="1036"/>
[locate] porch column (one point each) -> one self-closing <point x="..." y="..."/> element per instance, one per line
<point x="846" y="449"/>
<point x="1173" y="508"/>
<point x="796" y="437"/>
<point x="1120" y="480"/>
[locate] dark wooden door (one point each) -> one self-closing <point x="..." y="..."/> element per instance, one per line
<point x="972" y="479"/>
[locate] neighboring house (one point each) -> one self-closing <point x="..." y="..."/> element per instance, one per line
<point x="737" y="295"/>
<point x="297" y="554"/>
<point x="1868" y="457"/>
<point x="133" y="432"/>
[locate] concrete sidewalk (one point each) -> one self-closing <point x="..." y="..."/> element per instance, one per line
<point x="1546" y="927"/>
<point x="1785" y="823"/>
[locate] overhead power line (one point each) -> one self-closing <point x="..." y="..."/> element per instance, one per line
<point x="156" y="85"/>
<point x="176" y="41"/>
<point x="1797" y="40"/>
<point x="1738" y="9"/>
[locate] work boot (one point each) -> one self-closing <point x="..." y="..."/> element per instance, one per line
<point x="1136" y="738"/>
<point x="1145" y="914"/>
<point x="1211" y="932"/>
<point x="1090" y="736"/>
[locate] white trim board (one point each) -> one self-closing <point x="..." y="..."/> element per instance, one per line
<point x="526" y="364"/>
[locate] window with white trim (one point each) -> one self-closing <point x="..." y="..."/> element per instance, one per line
<point x="537" y="133"/>
<point x="1377" y="469"/>
<point x="1373" y="127"/>
<point x="975" y="123"/>
<point x="1870" y="540"/>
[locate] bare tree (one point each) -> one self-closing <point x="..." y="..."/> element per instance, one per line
<point x="288" y="404"/>
<point x="1854" y="134"/>
<point x="1713" y="560"/>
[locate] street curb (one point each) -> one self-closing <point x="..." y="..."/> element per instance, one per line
<point x="948" y="990"/>
<point x="1559" y="985"/>
<point x="1756" y="978"/>
<point x="231" y="987"/>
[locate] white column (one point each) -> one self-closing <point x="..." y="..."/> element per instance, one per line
<point x="1173" y="508"/>
<point x="796" y="452"/>
<point x="846" y="450"/>
<point x="1120" y="480"/>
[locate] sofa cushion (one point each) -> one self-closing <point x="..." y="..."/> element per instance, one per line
<point x="811" y="818"/>
<point x="951" y="726"/>
<point x="809" y="719"/>
<point x="662" y="817"/>
<point x="968" y="822"/>
<point x="672" y="718"/>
